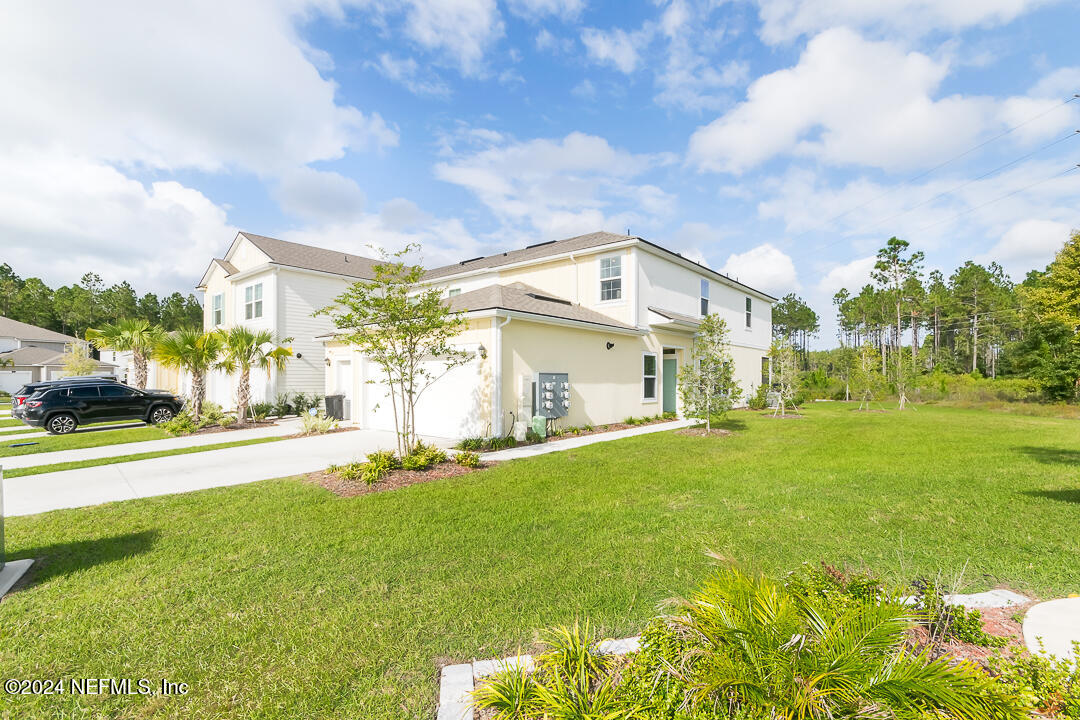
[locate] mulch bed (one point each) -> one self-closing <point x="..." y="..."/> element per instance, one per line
<point x="328" y="432"/>
<point x="995" y="621"/>
<point x="396" y="479"/>
<point x="210" y="430"/>
<point x="610" y="427"/>
<point x="700" y="432"/>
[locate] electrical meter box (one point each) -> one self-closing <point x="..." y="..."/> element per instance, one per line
<point x="552" y="399"/>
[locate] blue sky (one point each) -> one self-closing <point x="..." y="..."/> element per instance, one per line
<point x="140" y="136"/>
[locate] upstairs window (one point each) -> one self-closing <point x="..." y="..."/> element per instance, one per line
<point x="217" y="309"/>
<point x="704" y="298"/>
<point x="749" y="307"/>
<point x="611" y="278"/>
<point x="453" y="292"/>
<point x="253" y="302"/>
<point x="648" y="376"/>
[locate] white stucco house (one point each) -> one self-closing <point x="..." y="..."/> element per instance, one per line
<point x="616" y="313"/>
<point x="29" y="353"/>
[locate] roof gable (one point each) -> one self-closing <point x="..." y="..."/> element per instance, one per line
<point x="519" y="297"/>
<point x="26" y="331"/>
<point x="309" y="257"/>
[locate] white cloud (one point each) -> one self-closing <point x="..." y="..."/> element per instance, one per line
<point x="462" y="30"/>
<point x="1027" y="245"/>
<point x="584" y="90"/>
<point x="320" y="195"/>
<point x="764" y="267"/>
<point x="95" y="80"/>
<point x="398" y="223"/>
<point x="61" y="216"/>
<point x="534" y="9"/>
<point x="834" y="106"/>
<point x="407" y="72"/>
<point x="561" y="187"/>
<point x="851" y="275"/>
<point x="690" y="79"/>
<point x="785" y="20"/>
<point x="616" y="47"/>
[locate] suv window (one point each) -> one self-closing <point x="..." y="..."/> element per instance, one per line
<point x="88" y="391"/>
<point x="116" y="391"/>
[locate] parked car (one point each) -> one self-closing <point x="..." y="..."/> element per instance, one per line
<point x="20" y="396"/>
<point x="62" y="407"/>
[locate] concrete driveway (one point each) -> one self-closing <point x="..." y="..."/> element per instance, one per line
<point x="195" y="471"/>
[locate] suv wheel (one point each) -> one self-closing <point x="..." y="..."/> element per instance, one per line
<point x="160" y="414"/>
<point x="61" y="424"/>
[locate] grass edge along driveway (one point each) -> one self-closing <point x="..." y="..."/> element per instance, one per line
<point x="280" y="600"/>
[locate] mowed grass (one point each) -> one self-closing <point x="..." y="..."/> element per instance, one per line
<point x="77" y="439"/>
<point x="280" y="600"/>
<point x="6" y="422"/>
<point x="77" y="464"/>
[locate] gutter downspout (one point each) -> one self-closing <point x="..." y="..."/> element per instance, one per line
<point x="496" y="402"/>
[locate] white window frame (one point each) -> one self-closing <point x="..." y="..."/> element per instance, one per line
<point x="253" y="306"/>
<point x="601" y="279"/>
<point x="749" y="312"/>
<point x="656" y="382"/>
<point x="704" y="304"/>
<point x="217" y="309"/>
<point x="453" y="292"/>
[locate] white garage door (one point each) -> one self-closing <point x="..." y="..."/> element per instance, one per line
<point x="453" y="407"/>
<point x="12" y="380"/>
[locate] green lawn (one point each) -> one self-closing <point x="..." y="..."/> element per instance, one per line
<point x="27" y="428"/>
<point x="9" y="422"/>
<point x="57" y="467"/>
<point x="280" y="600"/>
<point x="50" y="443"/>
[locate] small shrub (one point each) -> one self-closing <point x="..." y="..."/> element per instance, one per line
<point x="302" y="402"/>
<point x="531" y="436"/>
<point x="1052" y="685"/>
<point x="211" y="411"/>
<point x="182" y="424"/>
<point x="227" y="421"/>
<point x="951" y="621"/>
<point x="510" y="693"/>
<point x="467" y="459"/>
<point x="316" y="424"/>
<point x="760" y="399"/>
<point x="281" y="406"/>
<point x="472" y="443"/>
<point x="349" y="471"/>
<point x="260" y="411"/>
<point x="587" y="428"/>
<point x="379" y="464"/>
<point x="501" y="443"/>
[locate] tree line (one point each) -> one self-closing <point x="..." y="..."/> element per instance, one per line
<point x="974" y="320"/>
<point x="73" y="309"/>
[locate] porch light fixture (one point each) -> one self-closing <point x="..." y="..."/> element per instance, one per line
<point x="327" y="362"/>
<point x="610" y="345"/>
<point x="483" y="352"/>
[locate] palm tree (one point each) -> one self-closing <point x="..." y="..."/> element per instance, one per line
<point x="134" y="335"/>
<point x="195" y="351"/>
<point x="244" y="349"/>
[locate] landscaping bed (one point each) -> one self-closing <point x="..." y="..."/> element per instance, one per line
<point x="493" y="444"/>
<point x="394" y="480"/>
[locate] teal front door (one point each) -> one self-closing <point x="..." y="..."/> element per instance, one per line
<point x="670" y="366"/>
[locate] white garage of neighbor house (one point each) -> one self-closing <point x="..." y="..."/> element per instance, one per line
<point x="617" y="314"/>
<point x="35" y="354"/>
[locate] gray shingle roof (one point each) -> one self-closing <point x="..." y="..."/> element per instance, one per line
<point x="41" y="356"/>
<point x="677" y="317"/>
<point x="308" y="257"/>
<point x="533" y="252"/>
<point x="523" y="298"/>
<point x="25" y="331"/>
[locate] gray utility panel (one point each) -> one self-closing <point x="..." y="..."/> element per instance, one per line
<point x="552" y="395"/>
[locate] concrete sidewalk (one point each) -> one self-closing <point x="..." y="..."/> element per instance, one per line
<point x="576" y="442"/>
<point x="196" y="471"/>
<point x="284" y="427"/>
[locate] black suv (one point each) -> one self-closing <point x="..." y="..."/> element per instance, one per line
<point x="61" y="407"/>
<point x="20" y="396"/>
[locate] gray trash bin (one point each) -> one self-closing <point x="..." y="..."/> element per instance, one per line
<point x="335" y="407"/>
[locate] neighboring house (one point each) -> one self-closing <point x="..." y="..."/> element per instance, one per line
<point x="35" y="354"/>
<point x="265" y="283"/>
<point x="617" y="313"/>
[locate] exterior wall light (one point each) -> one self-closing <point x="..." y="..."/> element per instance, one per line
<point x="483" y="352"/>
<point x="610" y="345"/>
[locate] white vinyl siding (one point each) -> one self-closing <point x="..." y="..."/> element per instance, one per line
<point x="299" y="295"/>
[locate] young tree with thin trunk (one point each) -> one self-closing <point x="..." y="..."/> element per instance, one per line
<point x="244" y="349"/>
<point x="136" y="336"/>
<point x="707" y="382"/>
<point x="785" y="373"/>
<point x="195" y="352"/>
<point x="403" y="328"/>
<point x="77" y="360"/>
<point x="866" y="378"/>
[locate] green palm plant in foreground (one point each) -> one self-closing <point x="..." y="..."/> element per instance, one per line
<point x="756" y="644"/>
<point x="195" y="351"/>
<point x="134" y="335"/>
<point x="244" y="349"/>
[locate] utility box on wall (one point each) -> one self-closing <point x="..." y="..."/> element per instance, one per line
<point x="552" y="395"/>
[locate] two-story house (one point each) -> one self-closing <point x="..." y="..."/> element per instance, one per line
<point x="271" y="284"/>
<point x="616" y="313"/>
<point x="29" y="353"/>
